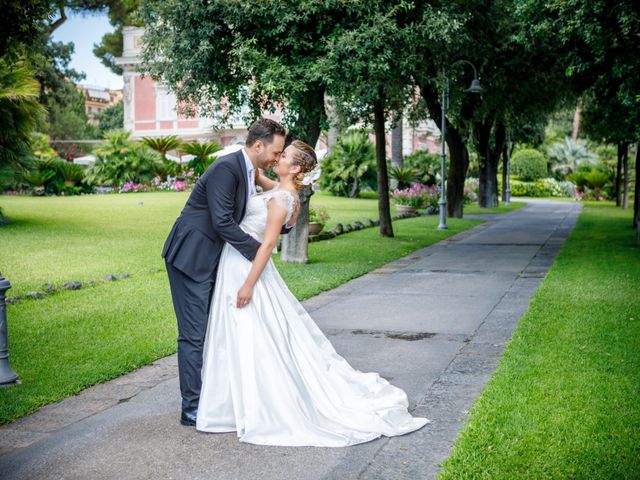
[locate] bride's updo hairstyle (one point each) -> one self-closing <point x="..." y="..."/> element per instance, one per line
<point x="304" y="156"/>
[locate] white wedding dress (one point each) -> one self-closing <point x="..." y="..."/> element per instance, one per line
<point x="270" y="374"/>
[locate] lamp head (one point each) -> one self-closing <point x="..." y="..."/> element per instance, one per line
<point x="475" y="87"/>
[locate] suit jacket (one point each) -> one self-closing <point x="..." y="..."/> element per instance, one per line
<point x="210" y="219"/>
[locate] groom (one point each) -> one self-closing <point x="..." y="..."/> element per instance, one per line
<point x="192" y="251"/>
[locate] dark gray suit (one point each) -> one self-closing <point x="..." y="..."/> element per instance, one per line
<point x="192" y="251"/>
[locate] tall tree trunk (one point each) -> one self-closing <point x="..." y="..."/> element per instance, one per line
<point x="575" y="128"/>
<point x="396" y="142"/>
<point x="505" y="159"/>
<point x="333" y="133"/>
<point x="621" y="148"/>
<point x="625" y="169"/>
<point x="384" y="210"/>
<point x="458" y="153"/>
<point x="294" y="247"/>
<point x="488" y="158"/>
<point x="307" y="128"/>
<point x="636" y="200"/>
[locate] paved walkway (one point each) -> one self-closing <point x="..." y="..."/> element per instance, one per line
<point x="434" y="323"/>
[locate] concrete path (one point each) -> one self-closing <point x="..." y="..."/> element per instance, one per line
<point x="434" y="323"/>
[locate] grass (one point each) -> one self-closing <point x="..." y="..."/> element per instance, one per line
<point x="564" y="402"/>
<point x="70" y="340"/>
<point x="474" y="208"/>
<point x="345" y="210"/>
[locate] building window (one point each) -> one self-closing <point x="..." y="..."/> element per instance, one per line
<point x="166" y="104"/>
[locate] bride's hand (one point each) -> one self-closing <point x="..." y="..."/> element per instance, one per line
<point x="244" y="296"/>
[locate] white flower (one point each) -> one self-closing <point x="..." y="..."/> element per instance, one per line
<point x="311" y="176"/>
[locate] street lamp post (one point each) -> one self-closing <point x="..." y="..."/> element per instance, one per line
<point x="7" y="375"/>
<point x="507" y="195"/>
<point x="474" y="88"/>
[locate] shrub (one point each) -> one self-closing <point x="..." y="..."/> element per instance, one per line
<point x="472" y="184"/>
<point x="404" y="176"/>
<point x="546" y="187"/>
<point x="57" y="177"/>
<point x="319" y="215"/>
<point x="350" y="166"/>
<point x="120" y="160"/>
<point x="528" y="165"/>
<point x="426" y="165"/>
<point x="567" y="156"/>
<point x="418" y="195"/>
<point x="203" y="154"/>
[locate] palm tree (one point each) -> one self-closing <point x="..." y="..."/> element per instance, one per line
<point x="162" y="144"/>
<point x="403" y="176"/>
<point x="19" y="113"/>
<point x="202" y="152"/>
<point x="567" y="156"/>
<point x="356" y="153"/>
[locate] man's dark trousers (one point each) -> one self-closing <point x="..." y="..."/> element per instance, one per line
<point x="192" y="313"/>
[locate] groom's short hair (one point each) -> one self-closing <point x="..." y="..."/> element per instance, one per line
<point x="264" y="129"/>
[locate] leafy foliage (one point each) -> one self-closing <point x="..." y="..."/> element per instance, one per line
<point x="55" y="176"/>
<point x="404" y="176"/>
<point x="529" y="165"/>
<point x="567" y="156"/>
<point x="350" y="166"/>
<point x="111" y="118"/>
<point x="545" y="187"/>
<point x="19" y="114"/>
<point x="120" y="160"/>
<point x="203" y="155"/>
<point x="319" y="214"/>
<point x="427" y="166"/>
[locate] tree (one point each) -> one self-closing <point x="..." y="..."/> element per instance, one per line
<point x="369" y="65"/>
<point x="598" y="40"/>
<point x="122" y="13"/>
<point x="238" y="57"/>
<point x="111" y="118"/>
<point x="202" y="152"/>
<point x="162" y="145"/>
<point x="19" y="114"/>
<point x="350" y="165"/>
<point x="523" y="82"/>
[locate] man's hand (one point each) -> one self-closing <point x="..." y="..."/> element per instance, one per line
<point x="244" y="296"/>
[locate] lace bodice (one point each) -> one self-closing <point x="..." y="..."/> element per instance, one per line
<point x="255" y="218"/>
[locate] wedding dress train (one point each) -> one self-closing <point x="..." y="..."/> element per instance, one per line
<point x="271" y="375"/>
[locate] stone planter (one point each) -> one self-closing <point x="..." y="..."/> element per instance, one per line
<point x="405" y="208"/>
<point x="315" y="228"/>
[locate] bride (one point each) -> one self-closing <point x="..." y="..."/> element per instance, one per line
<point x="269" y="373"/>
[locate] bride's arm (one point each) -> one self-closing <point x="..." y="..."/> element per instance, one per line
<point x="275" y="219"/>
<point x="265" y="182"/>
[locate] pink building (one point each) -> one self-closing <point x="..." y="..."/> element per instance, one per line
<point x="150" y="110"/>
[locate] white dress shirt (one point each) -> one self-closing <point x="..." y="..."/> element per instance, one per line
<point x="251" y="176"/>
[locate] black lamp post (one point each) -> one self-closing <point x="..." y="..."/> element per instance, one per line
<point x="7" y="375"/>
<point x="474" y="88"/>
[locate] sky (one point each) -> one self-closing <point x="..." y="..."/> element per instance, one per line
<point x="84" y="31"/>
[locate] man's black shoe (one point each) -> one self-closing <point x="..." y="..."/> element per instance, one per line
<point x="188" y="417"/>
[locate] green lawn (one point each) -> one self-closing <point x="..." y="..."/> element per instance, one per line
<point x="502" y="208"/>
<point x="73" y="339"/>
<point x="565" y="400"/>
